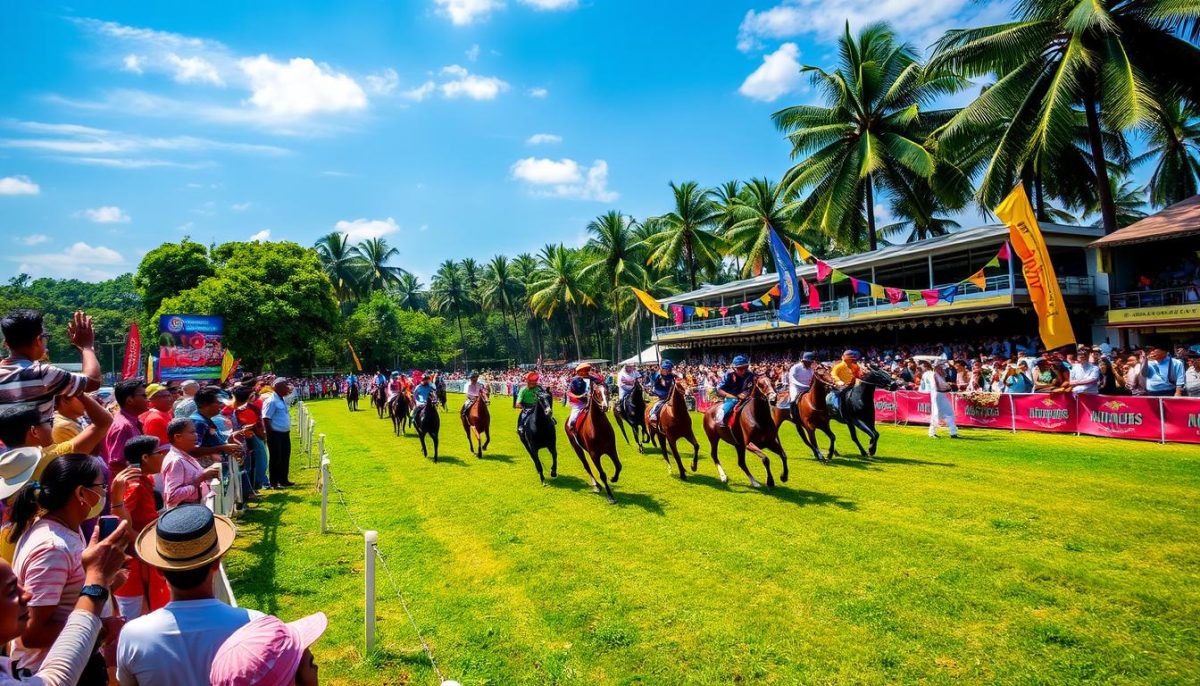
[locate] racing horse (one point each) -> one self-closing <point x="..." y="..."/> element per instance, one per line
<point x="399" y="409"/>
<point x="536" y="431"/>
<point x="594" y="435"/>
<point x="379" y="398"/>
<point x="753" y="430"/>
<point x="858" y="408"/>
<point x="427" y="423"/>
<point x="810" y="412"/>
<point x="674" y="423"/>
<point x="439" y="388"/>
<point x="632" y="411"/>
<point x="352" y="397"/>
<point x="479" y="420"/>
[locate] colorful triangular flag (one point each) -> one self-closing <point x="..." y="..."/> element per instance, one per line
<point x="994" y="262"/>
<point x="894" y="295"/>
<point x="979" y="280"/>
<point x="837" y="277"/>
<point x="877" y="291"/>
<point x="724" y="311"/>
<point x="948" y="293"/>
<point x="1004" y="254"/>
<point x="803" y="252"/>
<point x="931" y="296"/>
<point x="823" y="271"/>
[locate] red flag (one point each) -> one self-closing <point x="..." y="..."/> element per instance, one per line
<point x="133" y="353"/>
<point x="931" y="296"/>
<point x="823" y="270"/>
<point x="724" y="311"/>
<point x="1004" y="251"/>
<point x="814" y="298"/>
<point x="894" y="295"/>
<point x="746" y="307"/>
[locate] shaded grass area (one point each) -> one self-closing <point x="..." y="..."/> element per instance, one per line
<point x="1028" y="558"/>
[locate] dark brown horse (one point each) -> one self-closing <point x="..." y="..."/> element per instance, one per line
<point x="810" y="412"/>
<point x="379" y="398"/>
<point x="427" y="423"/>
<point x="633" y="412"/>
<point x="398" y="409"/>
<point x="596" y="436"/>
<point x="753" y="430"/>
<point x="674" y="423"/>
<point x="479" y="420"/>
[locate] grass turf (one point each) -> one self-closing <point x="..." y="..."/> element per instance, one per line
<point x="1028" y="558"/>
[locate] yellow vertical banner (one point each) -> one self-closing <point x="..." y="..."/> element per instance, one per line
<point x="1054" y="324"/>
<point x="226" y="365"/>
<point x="357" y="364"/>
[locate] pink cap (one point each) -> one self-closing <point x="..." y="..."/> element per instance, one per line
<point x="265" y="652"/>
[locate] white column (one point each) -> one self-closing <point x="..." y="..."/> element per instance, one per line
<point x="369" y="539"/>
<point x="324" y="476"/>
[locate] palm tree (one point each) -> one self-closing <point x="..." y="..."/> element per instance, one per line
<point x="1111" y="59"/>
<point x="560" y="283"/>
<point x="724" y="199"/>
<point x="409" y="291"/>
<point x="615" y="261"/>
<point x="500" y="289"/>
<point x="1128" y="197"/>
<point x="759" y="208"/>
<point x="870" y="134"/>
<point x="685" y="235"/>
<point x="525" y="270"/>
<point x="341" y="262"/>
<point x="919" y="220"/>
<point x="375" y="254"/>
<point x="1173" y="139"/>
<point x="448" y="295"/>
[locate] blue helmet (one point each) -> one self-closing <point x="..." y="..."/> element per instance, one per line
<point x="808" y="357"/>
<point x="741" y="361"/>
<point x="666" y="365"/>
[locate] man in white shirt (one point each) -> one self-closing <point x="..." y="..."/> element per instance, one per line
<point x="1085" y="375"/>
<point x="626" y="380"/>
<point x="475" y="391"/>
<point x="1191" y="378"/>
<point x="799" y="378"/>
<point x="175" y="645"/>
<point x="933" y="382"/>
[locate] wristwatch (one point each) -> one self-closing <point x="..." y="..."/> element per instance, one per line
<point x="95" y="592"/>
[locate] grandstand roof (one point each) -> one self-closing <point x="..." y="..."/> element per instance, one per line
<point x="1178" y="220"/>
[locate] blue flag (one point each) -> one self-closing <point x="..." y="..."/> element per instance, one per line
<point x="789" y="285"/>
<point x="948" y="293"/>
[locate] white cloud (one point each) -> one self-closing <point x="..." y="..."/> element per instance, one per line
<point x="466" y="84"/>
<point x="132" y="63"/>
<point x="465" y="12"/>
<point x="133" y="163"/>
<point x="80" y="261"/>
<point x="421" y="92"/>
<point x="384" y="83"/>
<point x="261" y="236"/>
<point x="194" y="70"/>
<point x="551" y="5"/>
<point x="363" y="229"/>
<point x="185" y="227"/>
<point x="917" y="20"/>
<point x="473" y="52"/>
<point x="109" y="214"/>
<point x="300" y="87"/>
<point x="778" y="75"/>
<point x="565" y="178"/>
<point x="18" y="185"/>
<point x="541" y="138"/>
<point x="241" y="206"/>
<point x="332" y="172"/>
<point x="33" y="239"/>
<point x="538" y="92"/>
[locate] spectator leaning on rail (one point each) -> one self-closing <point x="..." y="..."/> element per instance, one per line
<point x="175" y="645"/>
<point x="23" y="375"/>
<point x="184" y="479"/>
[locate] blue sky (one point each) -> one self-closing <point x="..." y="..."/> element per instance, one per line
<point x="454" y="128"/>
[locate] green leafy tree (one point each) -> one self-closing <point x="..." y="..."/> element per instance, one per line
<point x="685" y="236"/>
<point x="410" y="292"/>
<point x="342" y="264"/>
<point x="614" y="259"/>
<point x="500" y="289"/>
<point x="526" y="271"/>
<point x="449" y="295"/>
<point x="561" y="283"/>
<point x="388" y="336"/>
<point x="170" y="269"/>
<point x="1172" y="135"/>
<point x="759" y="208"/>
<point x="375" y="256"/>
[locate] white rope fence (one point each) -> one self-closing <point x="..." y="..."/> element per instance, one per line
<point x="371" y="549"/>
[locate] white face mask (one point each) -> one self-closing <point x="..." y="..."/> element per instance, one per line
<point x="98" y="507"/>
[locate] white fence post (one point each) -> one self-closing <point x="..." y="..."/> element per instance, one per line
<point x="214" y="487"/>
<point x="324" y="476"/>
<point x="370" y="537"/>
<point x="312" y="426"/>
<point x="320" y="448"/>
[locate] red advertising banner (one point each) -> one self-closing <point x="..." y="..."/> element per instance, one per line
<point x="885" y="406"/>
<point x="998" y="416"/>
<point x="912" y="407"/>
<point x="133" y="353"/>
<point x="1181" y="420"/>
<point x="1044" y="412"/>
<point x="1134" y="416"/>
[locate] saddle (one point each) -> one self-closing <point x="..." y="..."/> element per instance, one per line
<point x="836" y="401"/>
<point x="574" y="428"/>
<point x="730" y="420"/>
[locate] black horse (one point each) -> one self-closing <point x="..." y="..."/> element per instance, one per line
<point x="858" y="407"/>
<point x="379" y="398"/>
<point x="632" y="411"/>
<point x="427" y="422"/>
<point x="535" y="427"/>
<point x="352" y="397"/>
<point x="398" y="410"/>
<point x="439" y="388"/>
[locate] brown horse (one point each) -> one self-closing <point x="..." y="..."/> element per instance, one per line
<point x="753" y="430"/>
<point x="810" y="412"/>
<point x="596" y="436"/>
<point x="479" y="420"/>
<point x="674" y="423"/>
<point x="398" y="409"/>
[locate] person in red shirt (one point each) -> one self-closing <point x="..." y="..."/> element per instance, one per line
<point x="161" y="412"/>
<point x="145" y="590"/>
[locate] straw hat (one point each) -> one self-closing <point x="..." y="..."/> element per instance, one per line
<point x="186" y="537"/>
<point x="16" y="469"/>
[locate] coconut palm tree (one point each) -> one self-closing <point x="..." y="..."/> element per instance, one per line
<point x="526" y="271"/>
<point x="1173" y="142"/>
<point x="499" y="289"/>
<point x="1128" y="197"/>
<point x="560" y="283"/>
<point x="870" y="133"/>
<point x="615" y="261"/>
<point x="448" y="295"/>
<point x="917" y="220"/>
<point x="724" y="198"/>
<point x="375" y="254"/>
<point x="685" y="235"/>
<point x="409" y="291"/>
<point x="759" y="208"/>
<point x="1112" y="59"/>
<point x="342" y="264"/>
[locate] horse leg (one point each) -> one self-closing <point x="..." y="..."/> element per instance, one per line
<point x="621" y="426"/>
<point x="871" y="433"/>
<point x="741" y="453"/>
<point x="854" y="437"/>
<point x="435" y="446"/>
<point x="553" y="448"/>
<point x="579" y="451"/>
<point x="766" y="461"/>
<point x="604" y="478"/>
<point x="809" y="442"/>
<point x="533" y="455"/>
<point x="783" y="477"/>
<point x="421" y="435"/>
<point x="678" y="461"/>
<point x="487" y="432"/>
<point x="713" y="442"/>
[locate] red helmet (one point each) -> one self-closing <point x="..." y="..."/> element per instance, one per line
<point x="531" y="377"/>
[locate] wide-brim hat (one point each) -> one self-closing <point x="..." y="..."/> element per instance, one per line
<point x="185" y="537"/>
<point x="16" y="469"/>
<point x="583" y="366"/>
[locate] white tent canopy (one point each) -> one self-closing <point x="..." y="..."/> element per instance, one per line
<point x="648" y="356"/>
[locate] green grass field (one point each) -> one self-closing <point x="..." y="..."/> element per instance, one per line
<point x="1002" y="558"/>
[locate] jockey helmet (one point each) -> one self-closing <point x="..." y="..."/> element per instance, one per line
<point x="583" y="367"/>
<point x="741" y="361"/>
<point x="666" y="365"/>
<point x="531" y="377"/>
<point x="395" y="374"/>
<point x="473" y="374"/>
<point x="808" y="357"/>
<point x="851" y="354"/>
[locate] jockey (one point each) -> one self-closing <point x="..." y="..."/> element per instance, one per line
<point x="735" y="385"/>
<point x="421" y="396"/>
<point x="528" y="398"/>
<point x="380" y="379"/>
<point x="626" y="381"/>
<point x="846" y="373"/>
<point x="799" y="377"/>
<point x="395" y="386"/>
<point x="577" y="393"/>
<point x="474" y="390"/>
<point x="661" y="387"/>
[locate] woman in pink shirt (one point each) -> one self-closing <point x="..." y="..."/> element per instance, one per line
<point x="184" y="480"/>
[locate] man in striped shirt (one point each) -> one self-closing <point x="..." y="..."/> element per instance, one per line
<point x="24" y="378"/>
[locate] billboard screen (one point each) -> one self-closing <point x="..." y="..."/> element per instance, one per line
<point x="190" y="347"/>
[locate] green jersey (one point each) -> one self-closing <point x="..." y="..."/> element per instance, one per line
<point x="528" y="397"/>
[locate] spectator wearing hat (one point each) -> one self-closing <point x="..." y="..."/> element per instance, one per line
<point x="1163" y="374"/>
<point x="279" y="438"/>
<point x="160" y="412"/>
<point x="175" y="645"/>
<point x="268" y="652"/>
<point x="185" y="480"/>
<point x="24" y="378"/>
<point x="186" y="405"/>
<point x="145" y="454"/>
<point x="131" y="399"/>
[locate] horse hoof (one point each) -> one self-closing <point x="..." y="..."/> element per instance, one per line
<point x="553" y="474"/>
<point x="872" y="451"/>
<point x="783" y="478"/>
<point x="611" y="500"/>
<point x="755" y="484"/>
<point x="595" y="489"/>
<point x="724" y="479"/>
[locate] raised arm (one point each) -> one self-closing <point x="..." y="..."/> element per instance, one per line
<point x="83" y="336"/>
